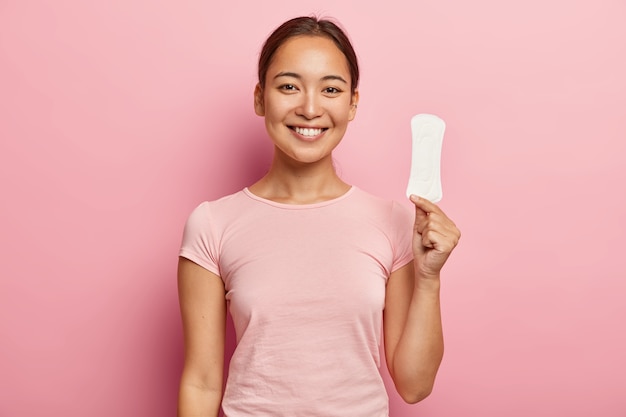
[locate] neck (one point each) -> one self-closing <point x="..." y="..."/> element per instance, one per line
<point x="296" y="183"/>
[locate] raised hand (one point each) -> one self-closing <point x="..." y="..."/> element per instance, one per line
<point x="434" y="238"/>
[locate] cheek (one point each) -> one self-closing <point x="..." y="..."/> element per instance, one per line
<point x="344" y="112"/>
<point x="276" y="107"/>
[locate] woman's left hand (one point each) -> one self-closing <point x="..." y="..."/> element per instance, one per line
<point x="434" y="237"/>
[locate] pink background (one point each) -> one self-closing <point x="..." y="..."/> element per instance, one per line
<point x="118" y="117"/>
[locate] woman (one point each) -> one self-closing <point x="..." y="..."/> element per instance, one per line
<point x="312" y="270"/>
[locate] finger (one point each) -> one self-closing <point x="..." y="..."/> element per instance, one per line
<point x="421" y="218"/>
<point x="425" y="221"/>
<point x="432" y="210"/>
<point x="418" y="206"/>
<point x="429" y="240"/>
<point x="424" y="205"/>
<point x="432" y="220"/>
<point x="440" y="242"/>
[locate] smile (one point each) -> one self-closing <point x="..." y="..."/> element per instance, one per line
<point x="308" y="131"/>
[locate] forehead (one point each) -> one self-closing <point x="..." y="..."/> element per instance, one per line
<point x="309" y="53"/>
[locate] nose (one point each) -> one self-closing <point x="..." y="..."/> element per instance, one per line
<point x="310" y="107"/>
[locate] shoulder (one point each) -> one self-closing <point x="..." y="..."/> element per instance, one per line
<point x="380" y="206"/>
<point x="226" y="202"/>
<point x="222" y="208"/>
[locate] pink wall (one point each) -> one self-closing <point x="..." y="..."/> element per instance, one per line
<point x="117" y="118"/>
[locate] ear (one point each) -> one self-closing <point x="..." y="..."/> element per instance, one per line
<point x="353" y="105"/>
<point x="259" y="104"/>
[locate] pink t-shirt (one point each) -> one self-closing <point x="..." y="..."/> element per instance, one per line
<point x="305" y="285"/>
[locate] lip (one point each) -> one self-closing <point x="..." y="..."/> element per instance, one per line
<point x="307" y="138"/>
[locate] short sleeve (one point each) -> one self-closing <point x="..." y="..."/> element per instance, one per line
<point x="402" y="223"/>
<point x="199" y="243"/>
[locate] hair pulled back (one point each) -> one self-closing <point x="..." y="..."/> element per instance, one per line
<point x="308" y="26"/>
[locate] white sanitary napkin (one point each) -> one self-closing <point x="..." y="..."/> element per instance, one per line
<point x="425" y="177"/>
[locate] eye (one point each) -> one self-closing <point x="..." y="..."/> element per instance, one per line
<point x="287" y="87"/>
<point x="332" y="90"/>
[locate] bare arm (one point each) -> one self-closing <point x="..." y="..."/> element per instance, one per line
<point x="203" y="311"/>
<point x="413" y="334"/>
<point x="412" y="320"/>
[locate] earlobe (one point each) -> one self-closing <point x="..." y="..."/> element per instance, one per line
<point x="259" y="106"/>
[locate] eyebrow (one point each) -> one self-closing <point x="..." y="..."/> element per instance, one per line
<point x="299" y="77"/>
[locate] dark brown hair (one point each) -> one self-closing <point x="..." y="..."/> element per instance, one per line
<point x="308" y="26"/>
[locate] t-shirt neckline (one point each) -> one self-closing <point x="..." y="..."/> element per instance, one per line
<point x="289" y="206"/>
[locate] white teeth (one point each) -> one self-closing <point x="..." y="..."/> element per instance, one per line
<point x="307" y="131"/>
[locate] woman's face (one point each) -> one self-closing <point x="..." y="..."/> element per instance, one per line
<point x="307" y="102"/>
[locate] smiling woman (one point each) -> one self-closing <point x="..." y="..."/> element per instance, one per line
<point x="312" y="270"/>
<point x="307" y="102"/>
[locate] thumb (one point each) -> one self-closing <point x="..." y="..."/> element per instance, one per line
<point x="421" y="214"/>
<point x="423" y="203"/>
